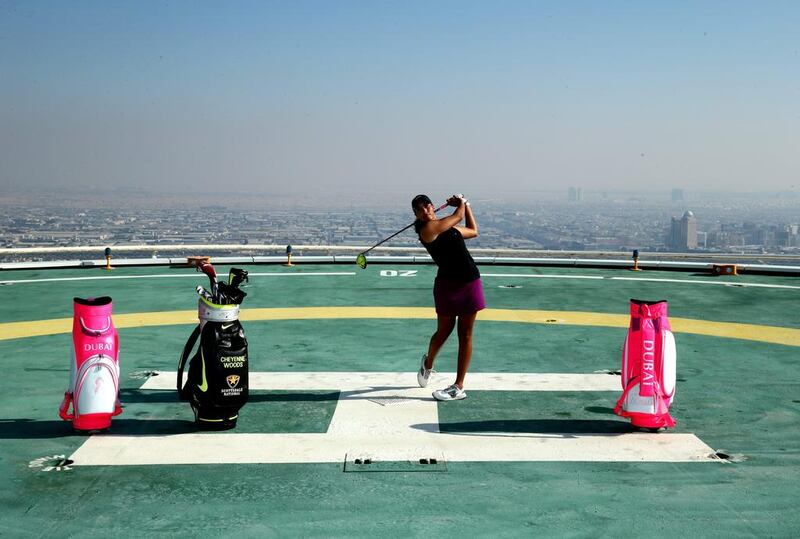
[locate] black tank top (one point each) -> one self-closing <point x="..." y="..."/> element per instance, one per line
<point x="451" y="255"/>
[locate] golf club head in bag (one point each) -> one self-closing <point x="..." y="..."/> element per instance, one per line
<point x="229" y="293"/>
<point x="209" y="270"/>
<point x="237" y="276"/>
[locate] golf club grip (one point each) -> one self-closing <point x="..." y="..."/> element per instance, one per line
<point x="443" y="206"/>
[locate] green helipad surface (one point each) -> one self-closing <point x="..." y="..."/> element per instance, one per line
<point x="338" y="384"/>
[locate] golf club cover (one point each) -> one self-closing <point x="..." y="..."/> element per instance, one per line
<point x="94" y="367"/>
<point x="648" y="367"/>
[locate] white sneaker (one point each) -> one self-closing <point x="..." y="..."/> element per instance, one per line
<point x="423" y="374"/>
<point x="450" y="393"/>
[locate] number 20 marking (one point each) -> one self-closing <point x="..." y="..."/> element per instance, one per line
<point x="395" y="273"/>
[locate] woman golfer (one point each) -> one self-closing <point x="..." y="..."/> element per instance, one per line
<point x="457" y="290"/>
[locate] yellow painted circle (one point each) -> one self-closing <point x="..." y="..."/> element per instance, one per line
<point x="730" y="330"/>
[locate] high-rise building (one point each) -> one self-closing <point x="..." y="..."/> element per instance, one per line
<point x="689" y="230"/>
<point x="575" y="194"/>
<point x="683" y="232"/>
<point x="674" y="236"/>
<point x="677" y="195"/>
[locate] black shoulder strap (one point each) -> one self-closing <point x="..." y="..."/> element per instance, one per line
<point x="187" y="349"/>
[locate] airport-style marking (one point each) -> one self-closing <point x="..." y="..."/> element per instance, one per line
<point x="730" y="330"/>
<point x="384" y="417"/>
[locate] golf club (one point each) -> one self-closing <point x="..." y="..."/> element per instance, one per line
<point x="202" y="292"/>
<point x="236" y="276"/>
<point x="208" y="269"/>
<point x="361" y="259"/>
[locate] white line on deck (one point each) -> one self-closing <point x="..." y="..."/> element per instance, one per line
<point x="233" y="448"/>
<point x="352" y="381"/>
<point x="542" y="276"/>
<point x="306" y="273"/>
<point x="351" y="273"/>
<point x="361" y="427"/>
<point x="175" y="276"/>
<point x="646" y="279"/>
<point x="719" y="283"/>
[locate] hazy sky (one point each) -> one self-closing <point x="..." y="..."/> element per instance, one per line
<point x="436" y="96"/>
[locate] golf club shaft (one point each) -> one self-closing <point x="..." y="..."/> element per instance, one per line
<point x="399" y="231"/>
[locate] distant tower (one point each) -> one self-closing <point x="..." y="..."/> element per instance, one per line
<point x="677" y="195"/>
<point x="683" y="232"/>
<point x="674" y="238"/>
<point x="688" y="231"/>
<point x="575" y="194"/>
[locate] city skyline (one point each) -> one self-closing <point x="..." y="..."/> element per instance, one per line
<point x="741" y="225"/>
<point x="305" y="98"/>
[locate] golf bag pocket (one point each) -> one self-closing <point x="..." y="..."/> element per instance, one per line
<point x="648" y="367"/>
<point x="93" y="391"/>
<point x="217" y="382"/>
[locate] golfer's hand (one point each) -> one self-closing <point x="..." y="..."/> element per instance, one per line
<point x="461" y="199"/>
<point x="454" y="201"/>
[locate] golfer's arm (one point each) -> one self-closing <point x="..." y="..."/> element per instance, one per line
<point x="470" y="219"/>
<point x="470" y="228"/>
<point x="432" y="229"/>
<point x="446" y="223"/>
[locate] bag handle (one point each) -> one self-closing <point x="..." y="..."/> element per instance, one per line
<point x="95" y="332"/>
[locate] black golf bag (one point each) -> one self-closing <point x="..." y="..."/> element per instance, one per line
<point x="217" y="383"/>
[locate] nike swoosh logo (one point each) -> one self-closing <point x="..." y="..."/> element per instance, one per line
<point x="226" y="326"/>
<point x="204" y="386"/>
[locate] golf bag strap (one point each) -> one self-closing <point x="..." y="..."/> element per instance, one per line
<point x="63" y="410"/>
<point x="187" y="350"/>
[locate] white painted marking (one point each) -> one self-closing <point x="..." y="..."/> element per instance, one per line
<point x="174" y="276"/>
<point x="407" y="381"/>
<point x="357" y="415"/>
<point x="542" y="276"/>
<point x="363" y="428"/>
<point x="306" y="274"/>
<point x="351" y="273"/>
<point x="648" y="279"/>
<point x="718" y="283"/>
<point x="233" y="448"/>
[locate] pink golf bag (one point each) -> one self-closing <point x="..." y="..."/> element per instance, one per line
<point x="648" y="367"/>
<point x="94" y="370"/>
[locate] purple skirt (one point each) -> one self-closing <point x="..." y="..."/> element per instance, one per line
<point x="454" y="298"/>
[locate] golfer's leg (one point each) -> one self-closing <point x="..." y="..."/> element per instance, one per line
<point x="465" y="325"/>
<point x="445" y="325"/>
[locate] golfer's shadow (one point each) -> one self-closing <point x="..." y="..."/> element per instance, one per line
<point x="513" y="427"/>
<point x="364" y="393"/>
